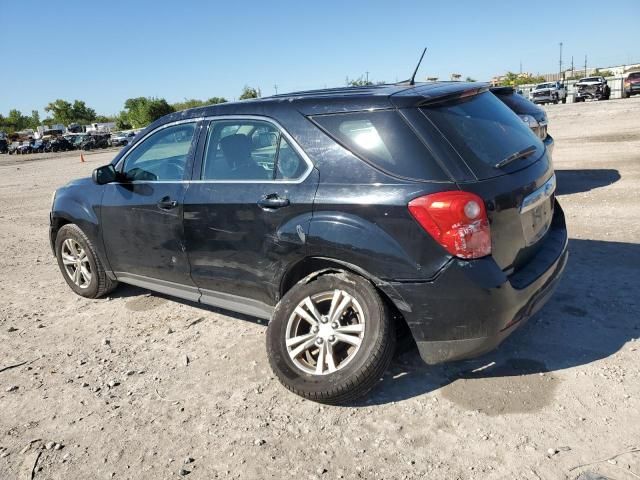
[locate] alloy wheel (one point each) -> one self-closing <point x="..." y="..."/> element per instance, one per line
<point x="325" y="332"/>
<point x="76" y="263"/>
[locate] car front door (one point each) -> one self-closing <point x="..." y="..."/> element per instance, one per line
<point x="141" y="215"/>
<point x="247" y="212"/>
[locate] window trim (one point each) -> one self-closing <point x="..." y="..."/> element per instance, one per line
<point x="198" y="154"/>
<point x="120" y="163"/>
<point x="283" y="132"/>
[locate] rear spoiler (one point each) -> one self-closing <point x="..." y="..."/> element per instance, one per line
<point x="434" y="93"/>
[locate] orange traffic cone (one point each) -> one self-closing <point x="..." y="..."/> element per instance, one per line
<point x="81" y="158"/>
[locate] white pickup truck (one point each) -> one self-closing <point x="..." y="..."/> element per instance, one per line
<point x="551" y="92"/>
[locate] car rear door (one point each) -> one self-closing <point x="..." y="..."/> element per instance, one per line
<point x="141" y="215"/>
<point x="247" y="212"/>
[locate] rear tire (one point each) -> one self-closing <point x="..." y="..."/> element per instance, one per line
<point x="310" y="360"/>
<point x="80" y="265"/>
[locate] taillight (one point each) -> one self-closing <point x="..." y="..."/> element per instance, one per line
<point x="456" y="220"/>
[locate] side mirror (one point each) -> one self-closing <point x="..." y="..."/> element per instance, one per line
<point x="104" y="175"/>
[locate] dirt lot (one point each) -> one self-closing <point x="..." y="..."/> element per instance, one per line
<point x="107" y="380"/>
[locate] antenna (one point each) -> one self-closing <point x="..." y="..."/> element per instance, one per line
<point x="412" y="81"/>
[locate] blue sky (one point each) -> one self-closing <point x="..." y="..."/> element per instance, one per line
<point x="106" y="52"/>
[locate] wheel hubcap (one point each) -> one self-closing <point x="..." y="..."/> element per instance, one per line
<point x="76" y="263"/>
<point x="325" y="332"/>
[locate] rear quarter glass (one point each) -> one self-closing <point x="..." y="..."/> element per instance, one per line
<point x="385" y="140"/>
<point x="484" y="131"/>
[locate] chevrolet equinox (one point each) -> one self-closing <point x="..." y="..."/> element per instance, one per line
<point x="342" y="216"/>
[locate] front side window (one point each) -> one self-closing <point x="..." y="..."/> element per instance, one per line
<point x="250" y="150"/>
<point x="162" y="156"/>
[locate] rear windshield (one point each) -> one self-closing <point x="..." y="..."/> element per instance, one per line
<point x="484" y="131"/>
<point x="385" y="140"/>
<point x="634" y="75"/>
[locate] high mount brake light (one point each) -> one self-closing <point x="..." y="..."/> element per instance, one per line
<point x="456" y="220"/>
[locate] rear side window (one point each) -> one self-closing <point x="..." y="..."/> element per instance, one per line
<point x="384" y="140"/>
<point x="484" y="131"/>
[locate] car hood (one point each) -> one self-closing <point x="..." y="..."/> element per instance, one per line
<point x="79" y="182"/>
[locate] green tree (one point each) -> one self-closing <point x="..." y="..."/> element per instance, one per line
<point x="104" y="119"/>
<point x="16" y="121"/>
<point x="216" y="100"/>
<point x="61" y="111"/>
<point x="81" y="113"/>
<point x="359" y="82"/>
<point x="34" y="121"/>
<point x="513" y="79"/>
<point x="141" y="111"/>
<point x="470" y="79"/>
<point x="65" y="112"/>
<point x="249" y="92"/>
<point x="122" y="121"/>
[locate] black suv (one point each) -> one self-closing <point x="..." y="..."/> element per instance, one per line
<point x="343" y="216"/>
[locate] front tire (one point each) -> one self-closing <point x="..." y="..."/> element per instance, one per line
<point x="331" y="339"/>
<point x="79" y="264"/>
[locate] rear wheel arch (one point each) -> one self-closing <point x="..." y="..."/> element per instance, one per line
<point x="311" y="268"/>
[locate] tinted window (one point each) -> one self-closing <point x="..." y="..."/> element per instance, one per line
<point x="385" y="140"/>
<point x="484" y="131"/>
<point x="249" y="150"/>
<point x="519" y="104"/>
<point x="162" y="156"/>
<point x="289" y="165"/>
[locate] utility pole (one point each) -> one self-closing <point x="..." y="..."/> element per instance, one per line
<point x="572" y="68"/>
<point x="520" y="67"/>
<point x="585" y="64"/>
<point x="367" y="77"/>
<point x="276" y="88"/>
<point x="560" y="70"/>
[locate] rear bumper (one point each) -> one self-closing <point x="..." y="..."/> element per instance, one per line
<point x="472" y="306"/>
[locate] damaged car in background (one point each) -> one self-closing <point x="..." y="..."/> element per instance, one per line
<point x="591" y="88"/>
<point x="550" y="92"/>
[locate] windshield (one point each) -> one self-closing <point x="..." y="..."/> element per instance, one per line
<point x="591" y="79"/>
<point x="484" y="131"/>
<point x="545" y="85"/>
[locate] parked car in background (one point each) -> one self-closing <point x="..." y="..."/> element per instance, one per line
<point x="13" y="148"/>
<point x="122" y="138"/>
<point x="24" y="147"/>
<point x="342" y="215"/>
<point x="38" y="146"/>
<point x="59" y="144"/>
<point x="550" y="92"/>
<point x="93" y="141"/>
<point x="591" y="88"/>
<point x="531" y="114"/>
<point x="4" y="145"/>
<point x="631" y="85"/>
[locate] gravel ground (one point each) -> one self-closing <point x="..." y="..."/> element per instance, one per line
<point x="142" y="386"/>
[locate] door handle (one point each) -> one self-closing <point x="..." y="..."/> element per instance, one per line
<point x="167" y="204"/>
<point x="273" y="201"/>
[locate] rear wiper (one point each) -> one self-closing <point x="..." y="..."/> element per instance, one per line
<point x="515" y="156"/>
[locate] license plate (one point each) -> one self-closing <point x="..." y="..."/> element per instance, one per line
<point x="536" y="212"/>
